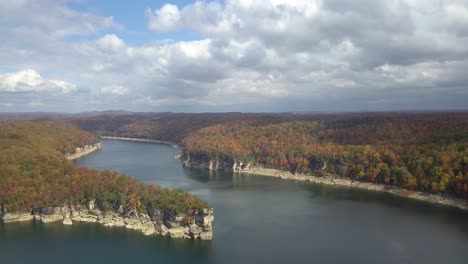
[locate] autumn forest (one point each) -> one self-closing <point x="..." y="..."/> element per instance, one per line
<point x="417" y="151"/>
<point x="35" y="174"/>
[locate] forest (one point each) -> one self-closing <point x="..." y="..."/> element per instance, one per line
<point x="171" y="127"/>
<point x="426" y="152"/>
<point x="35" y="174"/>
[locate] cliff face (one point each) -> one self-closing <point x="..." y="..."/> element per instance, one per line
<point x="197" y="225"/>
<point x="79" y="152"/>
<point x="215" y="164"/>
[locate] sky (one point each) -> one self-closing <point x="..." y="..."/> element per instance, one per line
<point x="233" y="55"/>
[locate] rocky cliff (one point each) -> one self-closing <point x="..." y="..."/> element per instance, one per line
<point x="215" y="164"/>
<point x="79" y="152"/>
<point x="197" y="225"/>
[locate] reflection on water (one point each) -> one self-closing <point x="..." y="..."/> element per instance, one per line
<point x="257" y="220"/>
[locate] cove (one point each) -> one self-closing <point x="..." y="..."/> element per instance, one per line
<point x="258" y="219"/>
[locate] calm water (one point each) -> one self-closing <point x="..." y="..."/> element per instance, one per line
<point x="257" y="220"/>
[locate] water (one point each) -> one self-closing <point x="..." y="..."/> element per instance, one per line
<point x="257" y="220"/>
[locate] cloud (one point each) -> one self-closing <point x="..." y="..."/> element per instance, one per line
<point x="250" y="55"/>
<point x="111" y="42"/>
<point x="324" y="49"/>
<point x="52" y="18"/>
<point x="115" y="90"/>
<point x="31" y="81"/>
<point x="165" y="19"/>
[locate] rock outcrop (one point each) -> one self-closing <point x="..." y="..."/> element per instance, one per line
<point x="79" y="152"/>
<point x="214" y="164"/>
<point x="8" y="217"/>
<point x="197" y="225"/>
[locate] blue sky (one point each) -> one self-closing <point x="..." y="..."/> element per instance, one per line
<point x="236" y="55"/>
<point x="130" y="15"/>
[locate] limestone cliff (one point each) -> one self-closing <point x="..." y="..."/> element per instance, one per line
<point x="82" y="151"/>
<point x="227" y="164"/>
<point x="197" y="225"/>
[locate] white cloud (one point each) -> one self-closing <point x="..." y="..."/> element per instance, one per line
<point x="165" y="19"/>
<point x="20" y="81"/>
<point x="457" y="12"/>
<point x="51" y="17"/>
<point x="116" y="90"/>
<point x="62" y="86"/>
<point x="258" y="55"/>
<point x="30" y="80"/>
<point x="111" y="42"/>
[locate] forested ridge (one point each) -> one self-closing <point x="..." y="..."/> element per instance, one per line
<point x="426" y="152"/>
<point x="35" y="174"/>
<point x="163" y="126"/>
<point x="417" y="151"/>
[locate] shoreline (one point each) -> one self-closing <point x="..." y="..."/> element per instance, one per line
<point x="83" y="152"/>
<point x="434" y="199"/>
<point x="240" y="167"/>
<point x="141" y="140"/>
<point x="197" y="225"/>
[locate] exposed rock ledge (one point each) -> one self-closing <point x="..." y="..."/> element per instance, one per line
<point x="154" y="222"/>
<point x="242" y="167"/>
<point x="79" y="152"/>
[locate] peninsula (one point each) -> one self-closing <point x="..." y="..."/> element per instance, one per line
<point x="38" y="182"/>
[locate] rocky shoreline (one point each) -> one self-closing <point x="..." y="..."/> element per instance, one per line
<point x="80" y="152"/>
<point x="141" y="140"/>
<point x="197" y="225"/>
<point x="242" y="167"/>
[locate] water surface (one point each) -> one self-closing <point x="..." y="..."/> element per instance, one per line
<point x="257" y="220"/>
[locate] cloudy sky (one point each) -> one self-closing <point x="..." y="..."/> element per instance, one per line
<point x="233" y="55"/>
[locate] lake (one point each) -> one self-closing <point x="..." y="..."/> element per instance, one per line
<point x="257" y="220"/>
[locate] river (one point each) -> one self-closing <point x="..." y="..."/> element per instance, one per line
<point x="258" y="219"/>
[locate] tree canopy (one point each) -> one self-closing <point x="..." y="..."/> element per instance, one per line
<point x="420" y="152"/>
<point x="35" y="174"/>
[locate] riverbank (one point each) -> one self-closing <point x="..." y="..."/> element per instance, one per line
<point x="80" y="152"/>
<point x="241" y="167"/>
<point x="197" y="225"/>
<point x="141" y="140"/>
<point x="394" y="190"/>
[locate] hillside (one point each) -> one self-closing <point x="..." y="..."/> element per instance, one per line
<point x="426" y="152"/>
<point x="416" y="150"/>
<point x="35" y="174"/>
